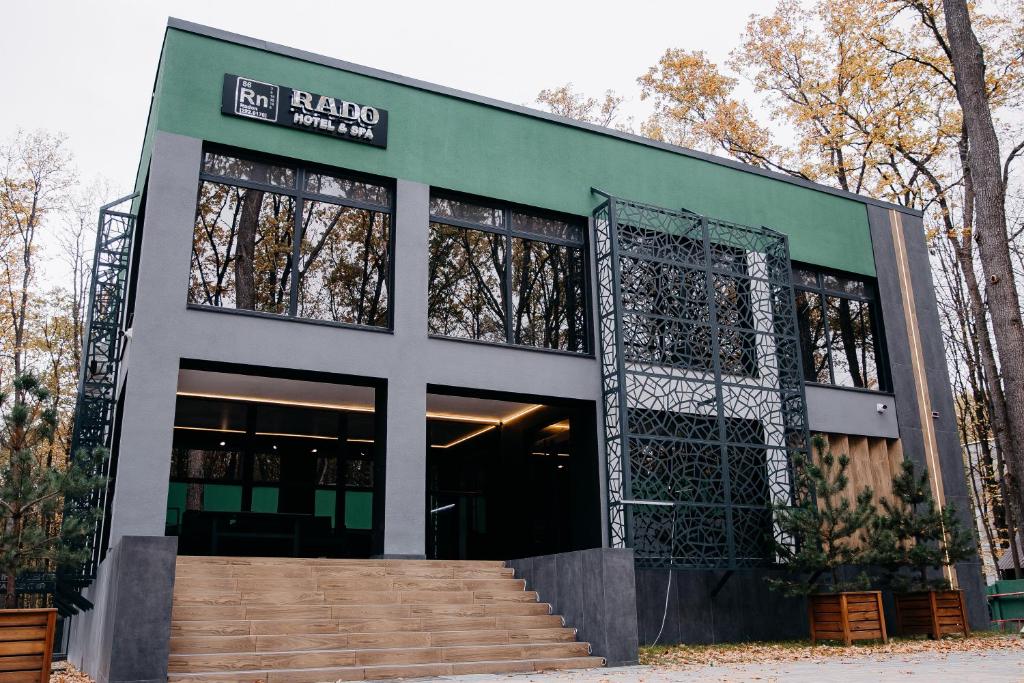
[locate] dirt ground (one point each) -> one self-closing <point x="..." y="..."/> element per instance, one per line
<point x="985" y="656"/>
<point x="788" y="651"/>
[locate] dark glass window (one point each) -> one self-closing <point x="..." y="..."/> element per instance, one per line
<point x="241" y="457"/>
<point x="839" y="330"/>
<point x="501" y="274"/>
<point x="255" y="221"/>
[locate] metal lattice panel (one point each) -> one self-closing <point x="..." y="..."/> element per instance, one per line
<point x="702" y="387"/>
<point x="97" y="379"/>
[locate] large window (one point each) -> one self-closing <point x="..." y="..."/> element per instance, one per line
<point x="301" y="479"/>
<point x="500" y="274"/>
<point x="839" y="330"/>
<point x="291" y="241"/>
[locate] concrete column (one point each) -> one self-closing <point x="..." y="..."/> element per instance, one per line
<point x="147" y="424"/>
<point x="406" y="472"/>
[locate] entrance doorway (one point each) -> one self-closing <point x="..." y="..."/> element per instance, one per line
<point x="509" y="476"/>
<point x="265" y="466"/>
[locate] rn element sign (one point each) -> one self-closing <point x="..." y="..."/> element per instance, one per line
<point x="292" y="108"/>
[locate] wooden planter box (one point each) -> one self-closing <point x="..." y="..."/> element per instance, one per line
<point x="931" y="613"/>
<point x="26" y="644"/>
<point x="847" y="617"/>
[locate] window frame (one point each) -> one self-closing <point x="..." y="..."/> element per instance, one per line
<point x="302" y="170"/>
<point x="870" y="297"/>
<point x="507" y="209"/>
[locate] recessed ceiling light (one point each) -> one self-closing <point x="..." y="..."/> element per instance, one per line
<point x="561" y="466"/>
<point x="314" y="450"/>
<point x="223" y="443"/>
<point x="274" y="447"/>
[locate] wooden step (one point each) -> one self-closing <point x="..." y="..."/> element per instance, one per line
<point x="257" y="573"/>
<point x="221" y="588"/>
<point x="274" y="619"/>
<point x="212" y="563"/>
<point x="243" y="627"/>
<point x="248" y="661"/>
<point x="389" y="611"/>
<point x="204" y="644"/>
<point x="390" y="672"/>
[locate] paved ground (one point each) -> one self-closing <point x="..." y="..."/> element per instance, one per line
<point x="983" y="666"/>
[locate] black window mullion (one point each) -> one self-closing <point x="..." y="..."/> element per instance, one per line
<point x="248" y="454"/>
<point x="297" y="230"/>
<point x="506" y="217"/>
<point x="823" y="302"/>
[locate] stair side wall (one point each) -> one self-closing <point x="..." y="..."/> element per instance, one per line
<point x="125" y="638"/>
<point x="595" y="590"/>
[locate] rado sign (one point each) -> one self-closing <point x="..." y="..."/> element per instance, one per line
<point x="291" y="108"/>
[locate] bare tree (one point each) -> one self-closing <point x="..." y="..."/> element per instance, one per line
<point x="36" y="175"/>
<point x="989" y="178"/>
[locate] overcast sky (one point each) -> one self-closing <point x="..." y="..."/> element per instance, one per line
<point x="86" y="68"/>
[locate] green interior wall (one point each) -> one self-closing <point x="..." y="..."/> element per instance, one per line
<point x="465" y="146"/>
<point x="358" y="510"/>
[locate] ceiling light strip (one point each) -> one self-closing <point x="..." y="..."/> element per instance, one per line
<point x="277" y="401"/>
<point x="467" y="437"/>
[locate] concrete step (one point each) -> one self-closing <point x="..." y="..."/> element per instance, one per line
<point x="349" y="611"/>
<point x="274" y="619"/>
<point x="311" y="659"/>
<point x="376" y="673"/>
<point x="206" y="644"/>
<point x="215" y="588"/>
<point x="243" y="627"/>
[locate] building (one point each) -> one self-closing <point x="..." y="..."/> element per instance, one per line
<point x="353" y="315"/>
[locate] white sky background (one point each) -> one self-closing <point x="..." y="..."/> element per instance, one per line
<point x="87" y="68"/>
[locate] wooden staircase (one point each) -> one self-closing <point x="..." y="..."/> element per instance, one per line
<point x="304" y="621"/>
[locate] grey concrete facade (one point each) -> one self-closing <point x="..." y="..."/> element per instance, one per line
<point x="165" y="331"/>
<point x="125" y="638"/>
<point x="849" y="411"/>
<point x="595" y="590"/>
<point x="899" y="346"/>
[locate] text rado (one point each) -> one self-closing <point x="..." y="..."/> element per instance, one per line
<point x="332" y="115"/>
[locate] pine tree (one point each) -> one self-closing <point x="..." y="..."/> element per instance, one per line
<point x="913" y="533"/>
<point x="822" y="530"/>
<point x="37" y="531"/>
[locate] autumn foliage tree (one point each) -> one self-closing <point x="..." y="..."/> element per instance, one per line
<point x="863" y="95"/>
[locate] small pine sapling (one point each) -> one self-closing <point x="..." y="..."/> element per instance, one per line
<point x="913" y="534"/>
<point x="822" y="530"/>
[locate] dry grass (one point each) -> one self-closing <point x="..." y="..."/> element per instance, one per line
<point x="748" y="653"/>
<point x="62" y="672"/>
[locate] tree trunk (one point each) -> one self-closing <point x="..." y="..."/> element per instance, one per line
<point x="999" y="416"/>
<point x="245" y="250"/>
<point x="990" y="232"/>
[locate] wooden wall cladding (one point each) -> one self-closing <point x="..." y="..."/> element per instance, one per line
<point x="26" y="645"/>
<point x="874" y="461"/>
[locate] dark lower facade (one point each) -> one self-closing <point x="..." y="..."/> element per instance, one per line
<point x="461" y="347"/>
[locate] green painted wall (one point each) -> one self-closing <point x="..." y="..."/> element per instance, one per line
<point x="222" y="498"/>
<point x="264" y="499"/>
<point x="451" y="143"/>
<point x="358" y="510"/>
<point x="325" y="504"/>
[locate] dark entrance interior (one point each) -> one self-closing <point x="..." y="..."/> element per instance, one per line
<point x="274" y="467"/>
<point x="510" y="476"/>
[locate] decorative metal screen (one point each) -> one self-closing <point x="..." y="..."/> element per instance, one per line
<point x="703" y="390"/>
<point x="101" y="353"/>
